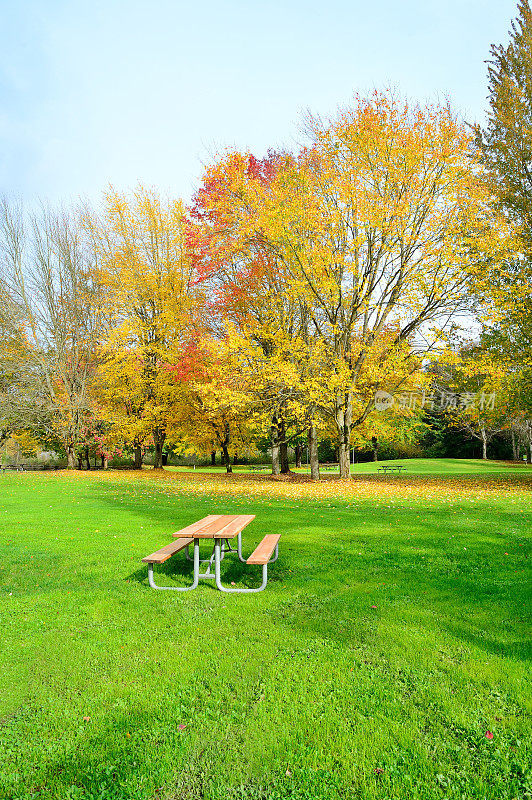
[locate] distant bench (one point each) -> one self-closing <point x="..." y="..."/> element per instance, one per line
<point x="28" y="467"/>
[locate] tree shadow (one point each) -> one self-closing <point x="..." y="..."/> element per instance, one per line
<point x="469" y="595"/>
<point x="105" y="764"/>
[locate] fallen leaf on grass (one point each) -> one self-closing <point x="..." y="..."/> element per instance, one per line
<point x="86" y="719"/>
<point x="378" y="771"/>
<point x="488" y="735"/>
<point x="181" y="727"/>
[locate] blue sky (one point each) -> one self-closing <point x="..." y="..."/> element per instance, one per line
<point x="121" y="91"/>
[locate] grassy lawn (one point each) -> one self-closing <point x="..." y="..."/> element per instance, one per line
<point x="445" y="466"/>
<point x="414" y="466"/>
<point x="392" y="637"/>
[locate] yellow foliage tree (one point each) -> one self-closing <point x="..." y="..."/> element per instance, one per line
<point x="150" y="301"/>
<point x="371" y="226"/>
<point x="359" y="248"/>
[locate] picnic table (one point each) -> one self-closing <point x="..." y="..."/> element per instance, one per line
<point x="221" y="528"/>
<point x="391" y="468"/>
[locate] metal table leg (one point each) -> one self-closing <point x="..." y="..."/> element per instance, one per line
<point x="217" y="560"/>
<point x="179" y="588"/>
<point x="243" y="560"/>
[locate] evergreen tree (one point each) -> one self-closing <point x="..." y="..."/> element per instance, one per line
<point x="506" y="149"/>
<point x="506" y="141"/>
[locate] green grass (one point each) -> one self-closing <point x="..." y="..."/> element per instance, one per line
<point x="445" y="466"/>
<point x="414" y="466"/>
<point x="303" y="691"/>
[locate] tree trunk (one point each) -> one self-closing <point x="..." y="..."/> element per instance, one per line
<point x="213" y="458"/>
<point x="343" y="423"/>
<point x="313" y="454"/>
<point x="274" y="434"/>
<point x="297" y="455"/>
<point x="226" y="458"/>
<point x="283" y="457"/>
<point x="138" y="456"/>
<point x="235" y="459"/>
<point x="159" y="437"/>
<point x="225" y="447"/>
<point x="87" y="459"/>
<point x="283" y="449"/>
<point x="484" y="444"/>
<point x="515" y="454"/>
<point x="71" y="457"/>
<point x="80" y="460"/>
<point x="105" y="460"/>
<point x="343" y="460"/>
<point x="375" y="448"/>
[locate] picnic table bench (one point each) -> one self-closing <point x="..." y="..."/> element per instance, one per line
<point x="14" y="467"/>
<point x="391" y="468"/>
<point x="221" y="528"/>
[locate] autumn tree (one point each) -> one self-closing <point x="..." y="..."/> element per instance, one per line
<point x="247" y="286"/>
<point x="506" y="140"/>
<point x="150" y="300"/>
<point x="479" y="396"/>
<point x="46" y="274"/>
<point x="217" y="411"/>
<point x="370" y="226"/>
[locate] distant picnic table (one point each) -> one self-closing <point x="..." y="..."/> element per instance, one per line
<point x="391" y="468"/>
<point x="28" y="467"/>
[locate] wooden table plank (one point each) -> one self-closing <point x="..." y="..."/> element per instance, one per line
<point x="196" y="526"/>
<point x="221" y="526"/>
<point x="236" y="526"/>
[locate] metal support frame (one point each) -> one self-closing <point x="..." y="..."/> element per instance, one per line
<point x="217" y="561"/>
<point x="243" y="560"/>
<point x="221" y="547"/>
<point x="179" y="588"/>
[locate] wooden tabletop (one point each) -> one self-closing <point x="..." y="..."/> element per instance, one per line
<point x="216" y="526"/>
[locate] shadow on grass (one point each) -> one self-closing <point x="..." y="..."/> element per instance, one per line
<point x="471" y="594"/>
<point x="179" y="571"/>
<point x="106" y="764"/>
<point x="139" y="756"/>
<point x="519" y="649"/>
<point x="461" y="585"/>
